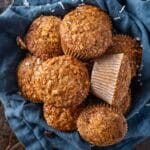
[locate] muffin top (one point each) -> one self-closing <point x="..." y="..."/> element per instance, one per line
<point x="43" y="38"/>
<point x="86" y="32"/>
<point x="129" y="46"/>
<point x="63" y="119"/>
<point x="125" y="103"/>
<point x="101" y="125"/>
<point x="63" y="81"/>
<point x="25" y="75"/>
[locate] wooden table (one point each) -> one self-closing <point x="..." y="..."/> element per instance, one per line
<point x="4" y="4"/>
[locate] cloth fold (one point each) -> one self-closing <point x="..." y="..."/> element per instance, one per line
<point x="25" y="118"/>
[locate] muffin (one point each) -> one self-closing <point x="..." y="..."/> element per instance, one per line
<point x="111" y="77"/>
<point x="62" y="81"/>
<point x="129" y="46"/>
<point x="43" y="38"/>
<point x="102" y="125"/>
<point x="25" y="77"/>
<point x="125" y="103"/>
<point x="63" y="119"/>
<point x="86" y="32"/>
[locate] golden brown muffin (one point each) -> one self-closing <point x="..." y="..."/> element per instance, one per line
<point x="102" y="125"/>
<point x="25" y="76"/>
<point x="63" y="81"/>
<point x="63" y="119"/>
<point x="86" y="32"/>
<point x="125" y="103"/>
<point x="111" y="77"/>
<point x="43" y="38"/>
<point x="129" y="46"/>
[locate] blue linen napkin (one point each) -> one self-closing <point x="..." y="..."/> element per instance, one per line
<point x="130" y="17"/>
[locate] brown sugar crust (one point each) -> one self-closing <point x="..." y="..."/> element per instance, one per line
<point x="43" y="38"/>
<point x="86" y="32"/>
<point x="123" y="81"/>
<point x="125" y="103"/>
<point x="63" y="81"/>
<point x="25" y="77"/>
<point x="129" y="46"/>
<point x="63" y="119"/>
<point x="102" y="125"/>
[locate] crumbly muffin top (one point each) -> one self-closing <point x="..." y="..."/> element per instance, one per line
<point x="62" y="81"/>
<point x="43" y="38"/>
<point x="25" y="77"/>
<point x="63" y="119"/>
<point x="129" y="46"/>
<point x="101" y="125"/>
<point x="86" y="32"/>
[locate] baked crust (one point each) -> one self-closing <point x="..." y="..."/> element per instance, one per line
<point x="102" y="125"/>
<point x="26" y="80"/>
<point x="62" y="81"/>
<point x="86" y="32"/>
<point x="63" y="119"/>
<point x="43" y="38"/>
<point x="129" y="46"/>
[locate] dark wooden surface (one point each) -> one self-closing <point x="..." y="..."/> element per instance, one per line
<point x="8" y="140"/>
<point x="4" y="4"/>
<point x="145" y="145"/>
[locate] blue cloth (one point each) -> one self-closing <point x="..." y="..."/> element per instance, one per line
<point x="25" y="118"/>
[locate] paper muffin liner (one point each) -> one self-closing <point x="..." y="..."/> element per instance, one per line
<point x="69" y="52"/>
<point x="76" y="55"/>
<point x="109" y="74"/>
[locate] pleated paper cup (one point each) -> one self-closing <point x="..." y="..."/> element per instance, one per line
<point x="111" y="77"/>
